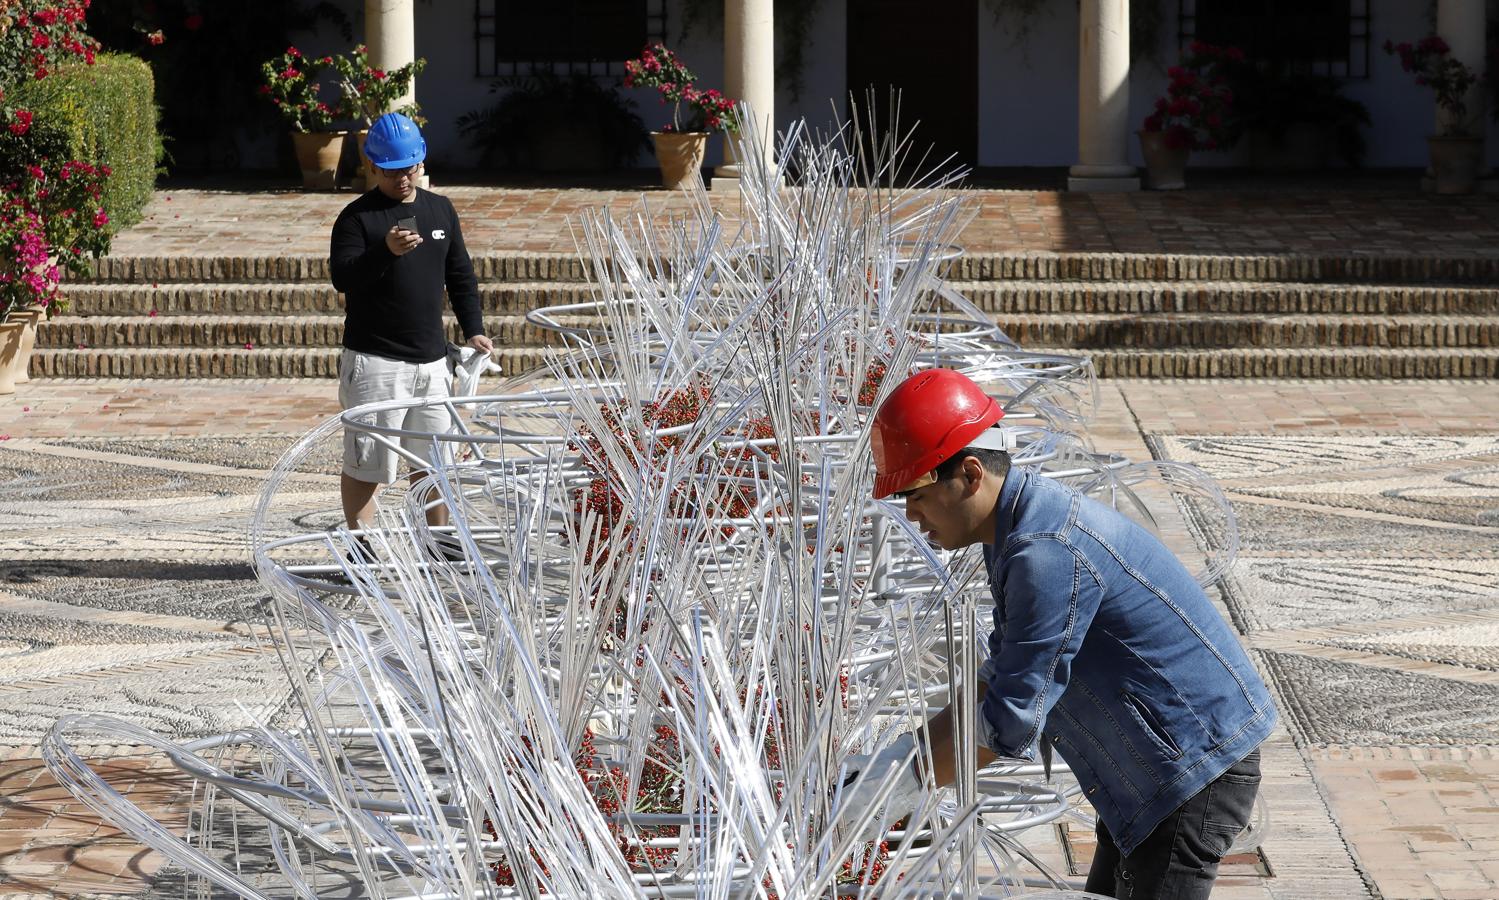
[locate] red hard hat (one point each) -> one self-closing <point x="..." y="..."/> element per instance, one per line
<point x="931" y="416"/>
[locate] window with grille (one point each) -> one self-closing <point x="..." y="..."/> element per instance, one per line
<point x="1323" y="37"/>
<point x="591" y="37"/>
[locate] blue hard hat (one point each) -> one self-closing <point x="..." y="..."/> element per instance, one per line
<point x="394" y="142"/>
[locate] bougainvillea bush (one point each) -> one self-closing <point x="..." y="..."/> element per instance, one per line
<point x="659" y="68"/>
<point x="1195" y="113"/>
<point x="72" y="120"/>
<point x="1429" y="60"/>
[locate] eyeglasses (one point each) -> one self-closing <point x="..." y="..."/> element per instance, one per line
<point x="397" y="173"/>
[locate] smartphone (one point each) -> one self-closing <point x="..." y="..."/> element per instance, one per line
<point x="407" y="223"/>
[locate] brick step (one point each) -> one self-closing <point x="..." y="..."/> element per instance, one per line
<point x="1171" y="331"/>
<point x="1318" y="362"/>
<point x="202" y="332"/>
<point x="244" y="299"/>
<point x="1223" y="363"/>
<point x="1227" y="297"/>
<point x="532" y="266"/>
<point x="230" y="298"/>
<point x="1073" y="332"/>
<point x="318" y="362"/>
<point x="515" y="266"/>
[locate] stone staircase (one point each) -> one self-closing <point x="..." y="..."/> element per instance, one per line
<point x="1135" y="315"/>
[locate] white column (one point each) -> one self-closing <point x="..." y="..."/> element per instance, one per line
<point x="749" y="62"/>
<point x="1103" y="99"/>
<point x="1461" y="23"/>
<point x="390" y="35"/>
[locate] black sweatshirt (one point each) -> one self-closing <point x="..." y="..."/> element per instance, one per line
<point x="393" y="304"/>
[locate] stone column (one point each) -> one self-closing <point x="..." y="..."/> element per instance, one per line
<point x="749" y="63"/>
<point x="1461" y="23"/>
<point x="1103" y="99"/>
<point x="390" y="35"/>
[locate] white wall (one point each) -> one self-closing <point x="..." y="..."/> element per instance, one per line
<point x="1028" y="91"/>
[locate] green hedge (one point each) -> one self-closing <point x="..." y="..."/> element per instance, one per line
<point x="104" y="113"/>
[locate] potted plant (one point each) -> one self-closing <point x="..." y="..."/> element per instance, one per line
<point x="291" y="84"/>
<point x="367" y="93"/>
<point x="1194" y="115"/>
<point x="680" y="146"/>
<point x="1293" y="120"/>
<point x="549" y="123"/>
<point x="1457" y="147"/>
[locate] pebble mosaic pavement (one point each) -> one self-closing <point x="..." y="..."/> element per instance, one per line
<point x="1367" y="587"/>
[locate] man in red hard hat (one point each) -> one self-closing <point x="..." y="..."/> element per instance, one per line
<point x="1105" y="649"/>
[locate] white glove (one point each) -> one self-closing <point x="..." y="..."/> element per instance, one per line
<point x="864" y="777"/>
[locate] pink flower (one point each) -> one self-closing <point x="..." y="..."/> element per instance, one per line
<point x="153" y="313"/>
<point x="100" y="219"/>
<point x="249" y="345"/>
<point x="293" y="52"/>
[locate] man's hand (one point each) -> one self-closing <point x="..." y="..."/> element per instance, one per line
<point x="865" y="776"/>
<point x="400" y="241"/>
<point x="481" y="343"/>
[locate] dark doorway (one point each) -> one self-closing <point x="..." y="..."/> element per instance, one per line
<point x="929" y="52"/>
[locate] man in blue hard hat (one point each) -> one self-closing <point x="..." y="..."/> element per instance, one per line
<point x="394" y="251"/>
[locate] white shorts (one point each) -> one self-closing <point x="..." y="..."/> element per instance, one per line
<point x="365" y="378"/>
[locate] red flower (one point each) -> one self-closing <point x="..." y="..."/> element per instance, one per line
<point x="41" y="72"/>
<point x="378" y="74"/>
<point x="156" y="38"/>
<point x="293" y="52"/>
<point x="22" y="124"/>
<point x="100" y="219"/>
<point x="40" y="41"/>
<point x="45" y="16"/>
<point x="193" y="22"/>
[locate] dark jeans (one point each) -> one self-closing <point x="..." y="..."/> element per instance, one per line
<point x="1179" y="859"/>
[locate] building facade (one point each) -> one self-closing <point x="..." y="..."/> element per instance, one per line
<point x="992" y="84"/>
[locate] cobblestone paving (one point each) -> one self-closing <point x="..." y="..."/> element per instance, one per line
<point x="1386" y="773"/>
<point x="1396" y="221"/>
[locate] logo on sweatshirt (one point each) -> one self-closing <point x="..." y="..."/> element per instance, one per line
<point x="438" y="234"/>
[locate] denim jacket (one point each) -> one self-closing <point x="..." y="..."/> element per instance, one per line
<point x="1105" y="645"/>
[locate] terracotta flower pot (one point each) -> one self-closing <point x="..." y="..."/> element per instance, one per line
<point x="1455" y="162"/>
<point x="10" y="351"/>
<point x="680" y="156"/>
<point x="353" y="165"/>
<point x="317" y="156"/>
<point x="1165" y="167"/>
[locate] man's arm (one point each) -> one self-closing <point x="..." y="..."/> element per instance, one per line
<point x="1051" y="598"/>
<point x="353" y="264"/>
<point x="463" y="287"/>
<point x="938" y="736"/>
